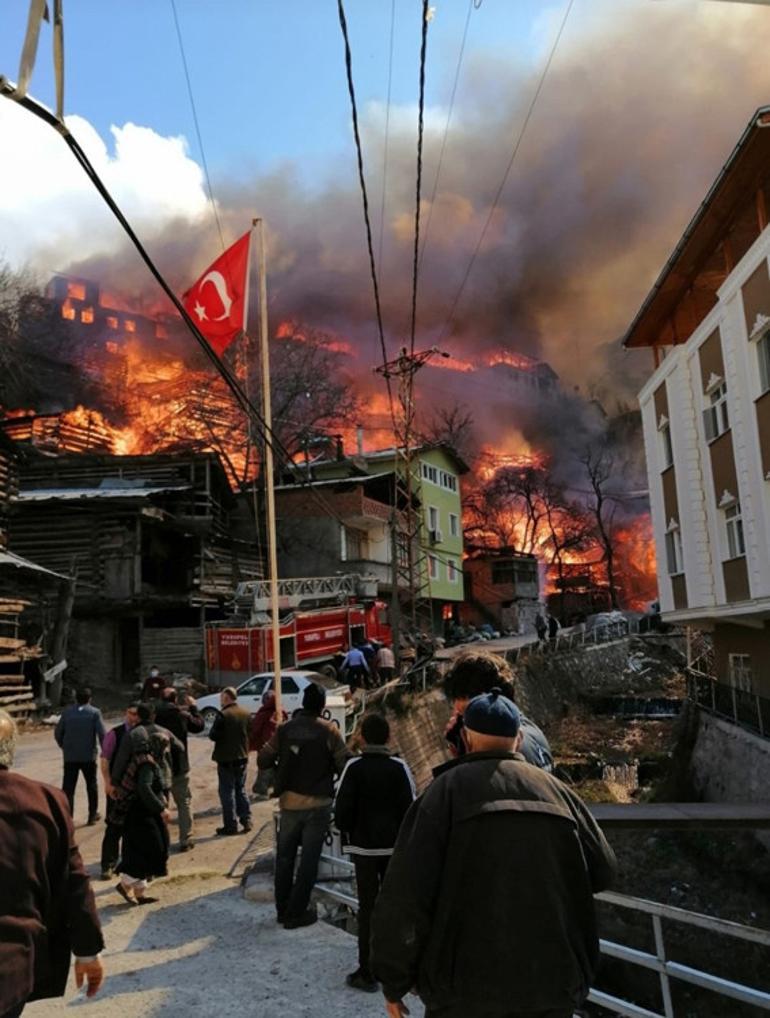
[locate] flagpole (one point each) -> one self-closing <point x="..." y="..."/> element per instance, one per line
<point x="268" y="466"/>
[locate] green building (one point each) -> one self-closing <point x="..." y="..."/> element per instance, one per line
<point x="437" y="471"/>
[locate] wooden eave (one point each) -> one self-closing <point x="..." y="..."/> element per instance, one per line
<point x="738" y="181"/>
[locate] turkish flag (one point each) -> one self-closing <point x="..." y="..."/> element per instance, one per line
<point x="217" y="301"/>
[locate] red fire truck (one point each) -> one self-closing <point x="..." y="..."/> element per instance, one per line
<point x="313" y="635"/>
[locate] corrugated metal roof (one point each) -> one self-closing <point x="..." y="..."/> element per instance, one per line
<point x="7" y="558"/>
<point x="77" y="494"/>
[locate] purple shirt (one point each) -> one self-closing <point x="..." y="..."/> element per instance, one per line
<point x="110" y="743"/>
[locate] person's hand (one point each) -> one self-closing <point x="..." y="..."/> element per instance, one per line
<point x="92" y="972"/>
<point x="396" y="1010"/>
<point x="165" y="816"/>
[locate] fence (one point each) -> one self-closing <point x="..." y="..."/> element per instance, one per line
<point x="749" y="710"/>
<point x="658" y="962"/>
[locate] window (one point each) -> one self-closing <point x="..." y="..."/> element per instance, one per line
<point x="430" y="473"/>
<point x="68" y="312"/>
<point x="253" y="687"/>
<point x="513" y="571"/>
<point x="739" y="667"/>
<point x="448" y="481"/>
<point x="674" y="554"/>
<point x="112" y="322"/>
<point x="454" y="524"/>
<point x="352" y="544"/>
<point x="666" y="449"/>
<point x="87" y="316"/>
<point x="130" y="325"/>
<point x="763" y="353"/>
<point x="433" y="564"/>
<point x="76" y="290"/>
<point x="432" y="517"/>
<point x="111" y="347"/>
<point x="736" y="546"/>
<point x="715" y="416"/>
<point x="452" y="573"/>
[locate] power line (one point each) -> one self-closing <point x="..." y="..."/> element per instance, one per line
<point x="508" y="169"/>
<point x="471" y="5"/>
<point x="197" y="125"/>
<point x="387" y="132"/>
<point x="365" y="199"/>
<point x="420" y="132"/>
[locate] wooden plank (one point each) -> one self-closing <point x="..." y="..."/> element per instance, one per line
<point x="8" y="643"/>
<point x="5" y="701"/>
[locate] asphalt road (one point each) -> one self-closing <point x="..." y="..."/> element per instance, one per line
<point x="203" y="948"/>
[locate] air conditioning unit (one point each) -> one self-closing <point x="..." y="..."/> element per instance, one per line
<point x="436" y="537"/>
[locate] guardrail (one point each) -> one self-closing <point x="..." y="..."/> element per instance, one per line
<point x="743" y="708"/>
<point x="657" y="962"/>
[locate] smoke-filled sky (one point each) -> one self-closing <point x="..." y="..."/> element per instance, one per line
<point x="642" y="105"/>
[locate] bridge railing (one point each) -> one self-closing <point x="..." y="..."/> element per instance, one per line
<point x="659" y="962"/>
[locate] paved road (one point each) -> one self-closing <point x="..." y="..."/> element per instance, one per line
<point x="203" y="948"/>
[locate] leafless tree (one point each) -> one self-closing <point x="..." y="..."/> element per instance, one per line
<point x="569" y="529"/>
<point x="453" y="426"/>
<point x="599" y="461"/>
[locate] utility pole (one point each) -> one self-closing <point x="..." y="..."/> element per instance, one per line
<point x="411" y="567"/>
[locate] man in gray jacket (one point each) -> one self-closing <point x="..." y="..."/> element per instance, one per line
<point x="79" y="733"/>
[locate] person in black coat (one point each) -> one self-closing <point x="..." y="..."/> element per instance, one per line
<point x="374" y="792"/>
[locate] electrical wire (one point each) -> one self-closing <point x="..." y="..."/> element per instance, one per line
<point x="508" y="169"/>
<point x="420" y="134"/>
<point x="471" y="6"/>
<point x="387" y="133"/>
<point x="365" y="201"/>
<point x="197" y="125"/>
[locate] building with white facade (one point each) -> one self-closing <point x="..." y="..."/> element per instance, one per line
<point x="706" y="417"/>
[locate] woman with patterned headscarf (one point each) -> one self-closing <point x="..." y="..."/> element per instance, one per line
<point x="144" y="809"/>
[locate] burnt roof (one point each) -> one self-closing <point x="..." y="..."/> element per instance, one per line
<point x="740" y="176"/>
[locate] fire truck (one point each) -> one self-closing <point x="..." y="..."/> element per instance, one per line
<point x="321" y="617"/>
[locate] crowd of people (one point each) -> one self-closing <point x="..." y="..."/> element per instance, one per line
<point x="495" y="860"/>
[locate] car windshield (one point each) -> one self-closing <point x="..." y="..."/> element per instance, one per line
<point x="253" y="686"/>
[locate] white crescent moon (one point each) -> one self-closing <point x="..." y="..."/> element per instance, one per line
<point x="218" y="282"/>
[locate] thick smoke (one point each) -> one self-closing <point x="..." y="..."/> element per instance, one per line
<point x="639" y="111"/>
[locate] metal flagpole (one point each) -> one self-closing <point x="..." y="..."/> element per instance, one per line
<point x="268" y="466"/>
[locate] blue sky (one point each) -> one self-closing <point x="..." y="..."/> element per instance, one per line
<point x="268" y="75"/>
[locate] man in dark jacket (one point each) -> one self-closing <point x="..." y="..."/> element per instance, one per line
<point x="474" y="672"/>
<point x="375" y="791"/>
<point x="79" y="733"/>
<point x="230" y="733"/>
<point x="262" y="727"/>
<point x="180" y="720"/>
<point x="47" y="907"/>
<point x="307" y="752"/>
<point x="495" y="866"/>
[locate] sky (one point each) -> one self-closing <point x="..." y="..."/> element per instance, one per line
<point x="642" y="104"/>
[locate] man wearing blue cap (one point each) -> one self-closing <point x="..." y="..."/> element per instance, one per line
<point x="487" y="907"/>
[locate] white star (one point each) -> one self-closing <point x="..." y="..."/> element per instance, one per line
<point x="200" y="311"/>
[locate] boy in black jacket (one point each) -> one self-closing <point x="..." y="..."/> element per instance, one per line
<point x="374" y="792"/>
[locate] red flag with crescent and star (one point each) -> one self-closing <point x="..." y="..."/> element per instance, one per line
<point x="217" y="301"/>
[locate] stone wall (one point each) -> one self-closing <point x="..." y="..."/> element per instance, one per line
<point x="730" y="764"/>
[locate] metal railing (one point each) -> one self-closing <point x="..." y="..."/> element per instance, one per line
<point x="742" y="707"/>
<point x="658" y="962"/>
<point x="568" y="639"/>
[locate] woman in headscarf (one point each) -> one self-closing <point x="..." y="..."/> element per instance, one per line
<point x="144" y="808"/>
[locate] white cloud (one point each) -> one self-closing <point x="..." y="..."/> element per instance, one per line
<point x="50" y="213"/>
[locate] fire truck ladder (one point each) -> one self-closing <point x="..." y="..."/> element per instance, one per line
<point x="293" y="593"/>
<point x="412" y="569"/>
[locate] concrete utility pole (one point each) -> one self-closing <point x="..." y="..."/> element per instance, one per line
<point x="412" y="566"/>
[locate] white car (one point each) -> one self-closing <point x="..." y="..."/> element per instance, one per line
<point x="250" y="692"/>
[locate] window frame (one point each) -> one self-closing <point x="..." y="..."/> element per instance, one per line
<point x="452" y="572"/>
<point x="433" y="567"/>
<point x="666" y="445"/>
<point x="739" y="672"/>
<point x="454" y="525"/>
<point x="716" y="416"/>
<point x="674" y="550"/>
<point x="434" y="518"/>
<point x="734" y="533"/>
